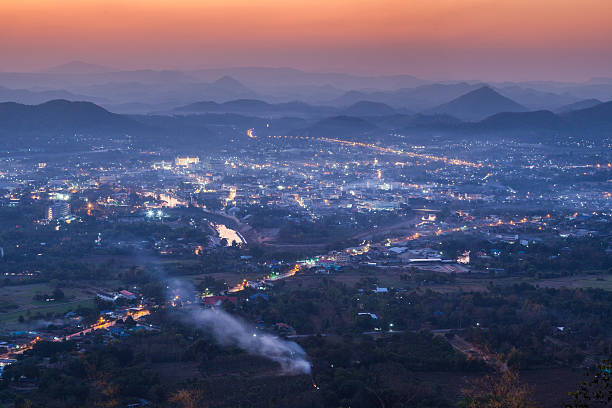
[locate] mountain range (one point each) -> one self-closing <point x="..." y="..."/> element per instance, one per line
<point x="25" y="125"/>
<point x="77" y="67"/>
<point x="583" y="104"/>
<point x="30" y="97"/>
<point x="146" y="90"/>
<point x="216" y="104"/>
<point x="295" y="108"/>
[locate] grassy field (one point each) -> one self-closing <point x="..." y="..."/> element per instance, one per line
<point x="23" y="295"/>
<point x="463" y="283"/>
<point x="10" y="319"/>
<point x="18" y="300"/>
<point x="586" y="281"/>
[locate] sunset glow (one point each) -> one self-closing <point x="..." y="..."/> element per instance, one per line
<point x="469" y="38"/>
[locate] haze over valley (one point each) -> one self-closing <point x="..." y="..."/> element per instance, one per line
<point x="343" y="204"/>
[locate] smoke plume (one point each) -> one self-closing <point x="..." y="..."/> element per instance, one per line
<point x="229" y="330"/>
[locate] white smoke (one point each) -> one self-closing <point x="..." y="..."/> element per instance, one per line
<point x="229" y="330"/>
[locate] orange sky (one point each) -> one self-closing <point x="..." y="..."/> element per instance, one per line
<point x="489" y="39"/>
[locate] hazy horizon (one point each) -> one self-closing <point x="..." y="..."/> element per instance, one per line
<point x="109" y="69"/>
<point x="308" y="204"/>
<point x="473" y="39"/>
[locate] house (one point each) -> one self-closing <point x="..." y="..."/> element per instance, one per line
<point x="141" y="403"/>
<point x="212" y="301"/>
<point x="128" y="295"/>
<point x="117" y="331"/>
<point x="380" y="290"/>
<point x="108" y="297"/>
<point x="259" y="295"/>
<point x="284" y="329"/>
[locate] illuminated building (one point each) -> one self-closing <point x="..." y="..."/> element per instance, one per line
<point x="186" y="161"/>
<point x="464" y="258"/>
<point x="58" y="211"/>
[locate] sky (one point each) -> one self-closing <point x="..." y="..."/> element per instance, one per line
<point x="432" y="39"/>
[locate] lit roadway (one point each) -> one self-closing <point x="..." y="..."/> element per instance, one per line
<point x="244" y="284"/>
<point x="440" y="231"/>
<point x="104" y="324"/>
<point x="298" y="266"/>
<point x="388" y="150"/>
<point x="99" y="324"/>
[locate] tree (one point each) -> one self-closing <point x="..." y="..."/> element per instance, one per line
<point x="596" y="391"/>
<point x="212" y="204"/>
<point x="20" y="402"/>
<point x="130" y="322"/>
<point x="58" y="294"/>
<point x="498" y="391"/>
<point x="189" y="398"/>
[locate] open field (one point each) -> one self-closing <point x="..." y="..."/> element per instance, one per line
<point x="584" y="281"/>
<point x="22" y="295"/>
<point x="464" y="283"/>
<point x="11" y="318"/>
<point x="19" y="300"/>
<point x="391" y="278"/>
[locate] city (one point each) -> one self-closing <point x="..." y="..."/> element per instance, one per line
<point x="237" y="229"/>
<point x="327" y="204"/>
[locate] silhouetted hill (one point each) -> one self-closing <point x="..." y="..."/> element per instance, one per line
<point x="535" y="99"/>
<point x="405" y="122"/>
<point x="256" y="107"/>
<point x="63" y="125"/>
<point x="427" y="96"/>
<point x="266" y="78"/>
<point x="28" y="97"/>
<point x="594" y="120"/>
<point x="231" y="85"/>
<point x="339" y="126"/>
<point x="583" y="104"/>
<point x="247" y="105"/>
<point x="592" y="123"/>
<point x="478" y="104"/>
<point x="368" y="108"/>
<point x="164" y="88"/>
<point x="532" y="121"/>
<point x="413" y="99"/>
<point x="61" y="117"/>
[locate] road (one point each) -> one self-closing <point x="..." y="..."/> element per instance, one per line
<point x="100" y="324"/>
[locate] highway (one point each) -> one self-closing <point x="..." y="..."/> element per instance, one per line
<point x="388" y="150"/>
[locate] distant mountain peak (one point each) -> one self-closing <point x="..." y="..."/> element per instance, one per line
<point x="483" y="90"/>
<point x="67" y="103"/>
<point x="479" y="104"/>
<point x="229" y="82"/>
<point x="230" y="88"/>
<point x="226" y="79"/>
<point x="485" y="93"/>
